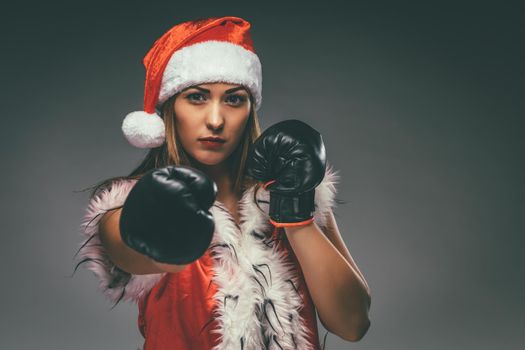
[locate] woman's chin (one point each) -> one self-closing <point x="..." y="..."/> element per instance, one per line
<point x="209" y="161"/>
<point x="208" y="158"/>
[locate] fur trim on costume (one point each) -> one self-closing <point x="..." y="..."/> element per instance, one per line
<point x="325" y="195"/>
<point x="259" y="307"/>
<point x="115" y="283"/>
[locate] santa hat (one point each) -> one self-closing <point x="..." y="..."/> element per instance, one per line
<point x="194" y="52"/>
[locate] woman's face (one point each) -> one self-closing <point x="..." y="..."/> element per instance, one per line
<point x="215" y="110"/>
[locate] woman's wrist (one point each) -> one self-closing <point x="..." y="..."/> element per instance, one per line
<point x="298" y="229"/>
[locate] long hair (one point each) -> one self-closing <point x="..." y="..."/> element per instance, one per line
<point x="171" y="151"/>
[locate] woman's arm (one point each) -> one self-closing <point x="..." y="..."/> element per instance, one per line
<point x="333" y="234"/>
<point x="338" y="289"/>
<point x="124" y="257"/>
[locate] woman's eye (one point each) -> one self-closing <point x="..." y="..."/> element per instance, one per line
<point x="195" y="97"/>
<point x="236" y="99"/>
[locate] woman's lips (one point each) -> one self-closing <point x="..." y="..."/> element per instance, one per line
<point x="211" y="144"/>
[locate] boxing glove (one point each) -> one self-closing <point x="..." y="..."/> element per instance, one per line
<point x="166" y="215"/>
<point x="290" y="158"/>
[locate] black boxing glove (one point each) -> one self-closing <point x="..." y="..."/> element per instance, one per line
<point x="290" y="158"/>
<point x="166" y="215"/>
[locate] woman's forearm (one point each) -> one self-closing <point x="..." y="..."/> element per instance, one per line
<point x="338" y="291"/>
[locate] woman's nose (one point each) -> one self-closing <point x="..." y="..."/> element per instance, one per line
<point x="215" y="120"/>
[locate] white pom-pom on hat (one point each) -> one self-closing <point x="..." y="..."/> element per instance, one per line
<point x="144" y="130"/>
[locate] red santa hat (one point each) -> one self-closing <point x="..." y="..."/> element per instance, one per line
<point x="194" y="52"/>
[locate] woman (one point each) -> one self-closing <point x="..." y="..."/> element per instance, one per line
<point x="217" y="259"/>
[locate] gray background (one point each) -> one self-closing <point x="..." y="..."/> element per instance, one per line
<point x="421" y="110"/>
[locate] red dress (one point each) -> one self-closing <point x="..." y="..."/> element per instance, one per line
<point x="178" y="312"/>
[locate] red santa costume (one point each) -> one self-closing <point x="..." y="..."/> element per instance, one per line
<point x="247" y="291"/>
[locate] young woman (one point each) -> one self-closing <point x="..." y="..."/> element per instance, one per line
<point x="225" y="237"/>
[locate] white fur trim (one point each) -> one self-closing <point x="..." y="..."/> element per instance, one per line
<point x="143" y="130"/>
<point x="252" y="274"/>
<point x="212" y="61"/>
<point x="325" y="195"/>
<point x="115" y="283"/>
<point x="251" y="277"/>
